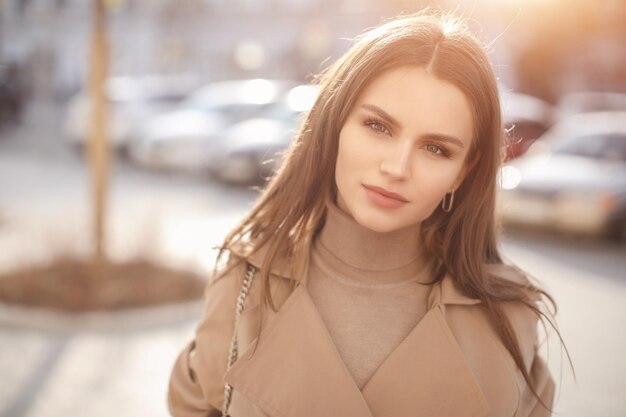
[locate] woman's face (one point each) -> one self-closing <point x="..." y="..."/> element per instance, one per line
<point x="408" y="135"/>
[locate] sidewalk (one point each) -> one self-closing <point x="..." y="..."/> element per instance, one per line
<point x="107" y="364"/>
<point x="87" y="373"/>
<point x="99" y="365"/>
<point x="95" y="365"/>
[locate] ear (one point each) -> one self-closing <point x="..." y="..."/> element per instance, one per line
<point x="467" y="168"/>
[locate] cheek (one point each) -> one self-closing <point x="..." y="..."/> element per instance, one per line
<point x="352" y="157"/>
<point x="342" y="165"/>
<point x="366" y="147"/>
<point x="433" y="182"/>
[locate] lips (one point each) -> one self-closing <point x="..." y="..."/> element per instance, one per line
<point x="386" y="193"/>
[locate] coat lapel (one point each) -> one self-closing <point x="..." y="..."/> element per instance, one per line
<point x="296" y="370"/>
<point x="426" y="375"/>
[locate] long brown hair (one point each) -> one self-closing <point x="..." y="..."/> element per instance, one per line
<point x="291" y="209"/>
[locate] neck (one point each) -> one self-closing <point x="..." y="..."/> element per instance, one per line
<point x="371" y="256"/>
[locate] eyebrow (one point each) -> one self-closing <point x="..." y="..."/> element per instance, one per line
<point x="389" y="119"/>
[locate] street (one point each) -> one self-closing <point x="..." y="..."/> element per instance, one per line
<point x="178" y="219"/>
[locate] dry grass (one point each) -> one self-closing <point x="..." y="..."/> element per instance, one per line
<point x="75" y="285"/>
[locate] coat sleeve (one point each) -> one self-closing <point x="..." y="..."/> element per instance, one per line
<point x="526" y="324"/>
<point x="196" y="386"/>
<point x="542" y="381"/>
<point x="544" y="386"/>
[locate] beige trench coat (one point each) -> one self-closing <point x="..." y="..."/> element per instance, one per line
<point x="451" y="364"/>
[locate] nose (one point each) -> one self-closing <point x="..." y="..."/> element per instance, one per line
<point x="396" y="163"/>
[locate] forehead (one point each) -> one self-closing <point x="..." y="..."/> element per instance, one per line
<point x="421" y="102"/>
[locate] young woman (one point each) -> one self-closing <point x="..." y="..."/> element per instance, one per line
<point x="374" y="248"/>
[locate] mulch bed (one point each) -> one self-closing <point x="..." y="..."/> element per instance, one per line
<point x="74" y="285"/>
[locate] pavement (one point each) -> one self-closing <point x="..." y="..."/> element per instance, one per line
<point x="107" y="364"/>
<point x="103" y="365"/>
<point x="87" y="373"/>
<point x="100" y="364"/>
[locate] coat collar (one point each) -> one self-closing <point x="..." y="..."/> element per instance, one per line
<point x="444" y="292"/>
<point x="296" y="369"/>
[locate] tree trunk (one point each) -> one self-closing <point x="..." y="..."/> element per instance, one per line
<point x="98" y="148"/>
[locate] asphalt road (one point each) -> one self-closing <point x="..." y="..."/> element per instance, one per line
<point x="44" y="210"/>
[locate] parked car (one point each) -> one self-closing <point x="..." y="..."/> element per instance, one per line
<point x="181" y="139"/>
<point x="573" y="179"/>
<point x="590" y="101"/>
<point x="525" y="119"/>
<point x="130" y="100"/>
<point x="250" y="151"/>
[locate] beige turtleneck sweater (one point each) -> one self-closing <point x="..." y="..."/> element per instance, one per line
<point x="370" y="289"/>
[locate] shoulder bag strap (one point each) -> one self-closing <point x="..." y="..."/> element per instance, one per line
<point x="243" y="293"/>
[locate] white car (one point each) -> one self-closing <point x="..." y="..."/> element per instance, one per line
<point x="572" y="180"/>
<point x="250" y="151"/>
<point x="130" y="100"/>
<point x="182" y="139"/>
<point x="590" y="101"/>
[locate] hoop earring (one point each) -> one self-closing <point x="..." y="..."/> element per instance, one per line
<point x="447" y="207"/>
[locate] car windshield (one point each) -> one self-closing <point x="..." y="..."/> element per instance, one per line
<point x="229" y="108"/>
<point x="257" y="91"/>
<point x="279" y="111"/>
<point x="291" y="107"/>
<point x="233" y="113"/>
<point x="167" y="99"/>
<point x="609" y="146"/>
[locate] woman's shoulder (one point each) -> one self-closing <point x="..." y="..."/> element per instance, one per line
<point x="239" y="260"/>
<point x="522" y="314"/>
<point x="513" y="283"/>
<point x="255" y="255"/>
<point x="509" y="273"/>
<point x="516" y="296"/>
<point x="515" y="293"/>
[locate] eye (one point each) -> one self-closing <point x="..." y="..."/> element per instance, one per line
<point x="437" y="150"/>
<point x="377" y="126"/>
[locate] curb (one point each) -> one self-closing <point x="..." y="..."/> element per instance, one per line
<point x="127" y="320"/>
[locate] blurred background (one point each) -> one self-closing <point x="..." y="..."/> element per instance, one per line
<point x="197" y="100"/>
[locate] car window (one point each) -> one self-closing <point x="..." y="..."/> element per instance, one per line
<point x="167" y="99"/>
<point x="279" y="111"/>
<point x="611" y="146"/>
<point x="258" y="92"/>
<point x="235" y="112"/>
